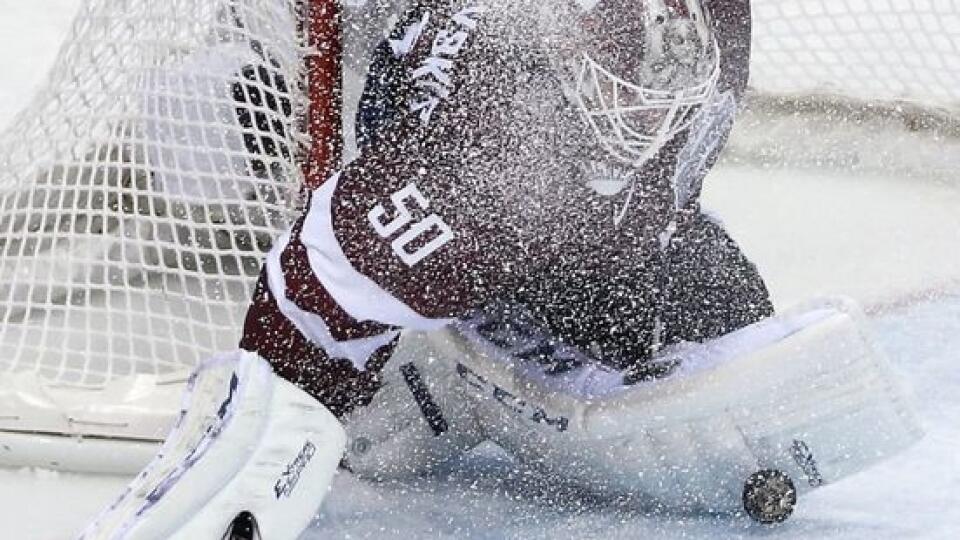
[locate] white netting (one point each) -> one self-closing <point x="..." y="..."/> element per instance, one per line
<point x="141" y="188"/>
<point x="885" y="50"/>
<point x="860" y="86"/>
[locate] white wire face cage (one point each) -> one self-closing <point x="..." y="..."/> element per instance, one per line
<point x="632" y="120"/>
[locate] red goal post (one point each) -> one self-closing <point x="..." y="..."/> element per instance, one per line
<point x="325" y="75"/>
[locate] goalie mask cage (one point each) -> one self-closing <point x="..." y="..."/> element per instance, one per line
<point x="172" y="141"/>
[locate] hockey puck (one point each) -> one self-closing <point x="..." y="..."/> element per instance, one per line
<point x="769" y="497"/>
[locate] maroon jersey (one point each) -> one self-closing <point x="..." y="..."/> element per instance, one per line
<point x="481" y="183"/>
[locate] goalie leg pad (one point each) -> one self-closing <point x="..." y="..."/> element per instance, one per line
<point x="245" y="441"/>
<point x="417" y="421"/>
<point x="804" y="394"/>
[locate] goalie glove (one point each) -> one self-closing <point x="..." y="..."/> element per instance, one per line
<point x="744" y="422"/>
<point x="249" y="451"/>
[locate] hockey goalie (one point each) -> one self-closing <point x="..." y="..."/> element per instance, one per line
<point x="518" y="255"/>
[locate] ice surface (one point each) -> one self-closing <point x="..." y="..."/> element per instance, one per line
<point x="813" y="233"/>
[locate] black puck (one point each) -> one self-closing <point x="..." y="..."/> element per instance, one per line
<point x="769" y="497"/>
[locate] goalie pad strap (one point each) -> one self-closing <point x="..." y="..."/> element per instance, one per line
<point x="421" y="394"/>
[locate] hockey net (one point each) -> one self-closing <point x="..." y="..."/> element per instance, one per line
<point x="858" y="85"/>
<point x="141" y="188"/>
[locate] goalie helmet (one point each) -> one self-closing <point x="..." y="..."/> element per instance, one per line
<point x="640" y="71"/>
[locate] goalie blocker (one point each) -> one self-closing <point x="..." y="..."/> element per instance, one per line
<point x="745" y="422"/>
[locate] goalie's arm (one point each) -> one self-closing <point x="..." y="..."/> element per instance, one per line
<point x="402" y="237"/>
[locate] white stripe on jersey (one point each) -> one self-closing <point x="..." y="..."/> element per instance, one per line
<point x="361" y="297"/>
<point x="311" y="325"/>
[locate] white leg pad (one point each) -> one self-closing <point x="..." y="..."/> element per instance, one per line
<point x="246" y="440"/>
<point x="805" y="394"/>
<point x="420" y="419"/>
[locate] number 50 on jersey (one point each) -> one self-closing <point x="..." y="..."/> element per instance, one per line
<point x="412" y="241"/>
